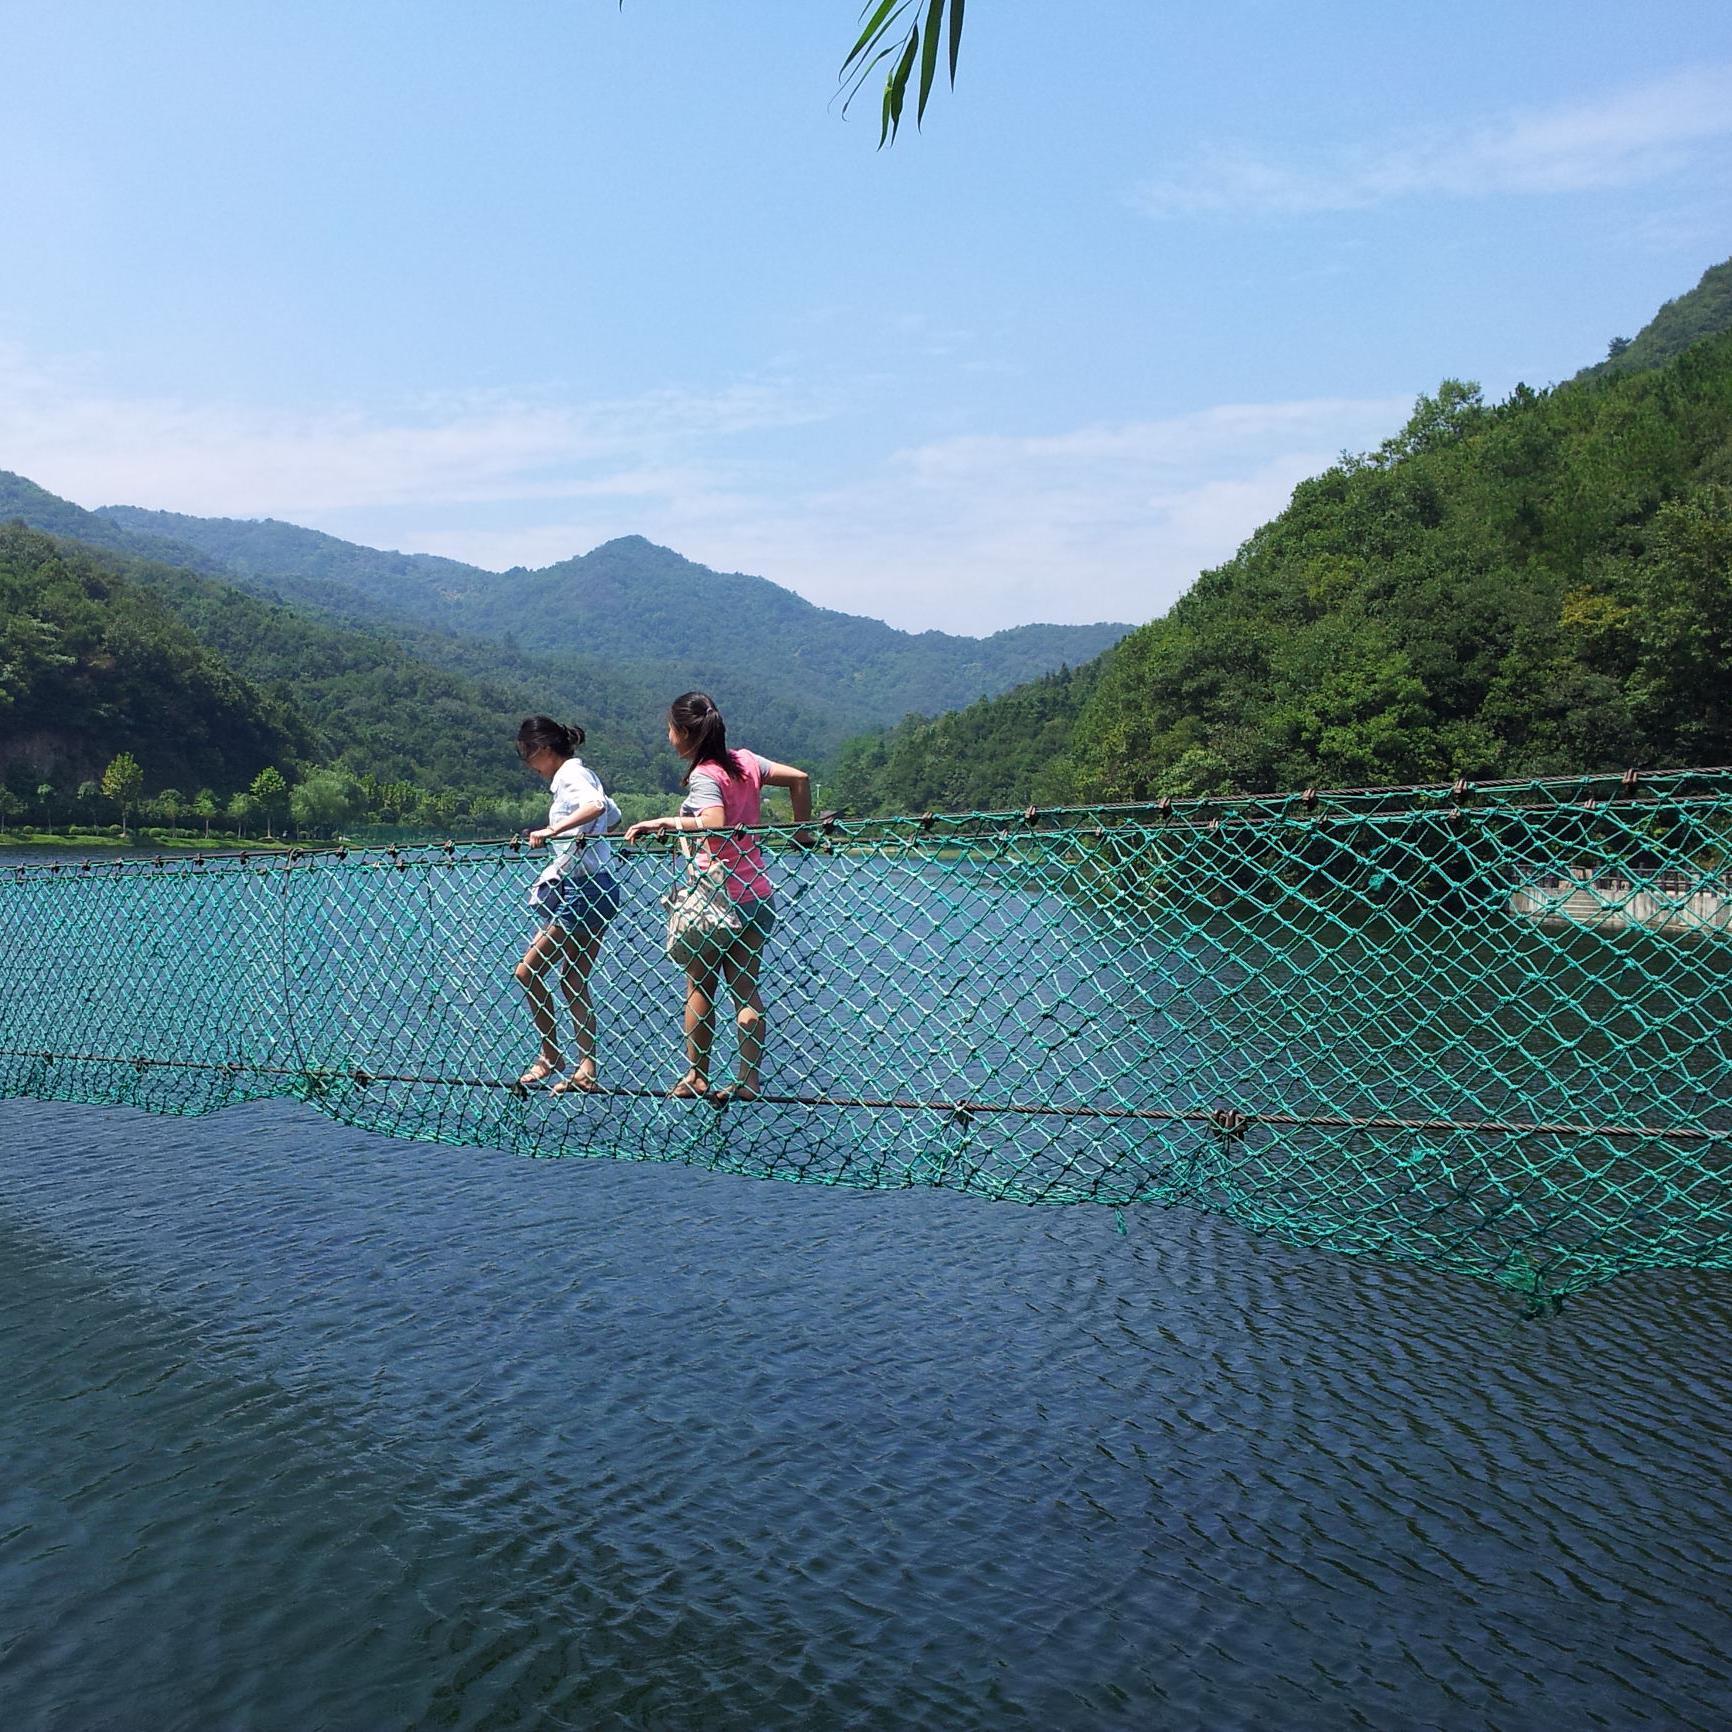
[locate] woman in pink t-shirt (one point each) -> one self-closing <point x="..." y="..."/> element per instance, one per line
<point x="723" y="792"/>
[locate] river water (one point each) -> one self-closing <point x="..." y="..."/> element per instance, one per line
<point x="304" y="1428"/>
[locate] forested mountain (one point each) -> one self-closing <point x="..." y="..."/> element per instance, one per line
<point x="997" y="754"/>
<point x="1543" y="585"/>
<point x="93" y="665"/>
<point x="413" y="700"/>
<point x="630" y="601"/>
<point x="1539" y="585"/>
<point x="406" y="704"/>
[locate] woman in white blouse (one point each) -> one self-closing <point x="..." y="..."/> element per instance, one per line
<point x="574" y="898"/>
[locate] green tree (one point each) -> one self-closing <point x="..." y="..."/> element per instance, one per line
<point x="323" y="802"/>
<point x="10" y="807"/>
<point x="88" y="794"/>
<point x="121" y="783"/>
<point x="45" y="801"/>
<point x="169" y="804"/>
<point x="242" y="811"/>
<point x="205" y="807"/>
<point x="1680" y="594"/>
<point x="270" y="792"/>
<point x="1537" y="587"/>
<point x="438" y="809"/>
<point x="396" y="799"/>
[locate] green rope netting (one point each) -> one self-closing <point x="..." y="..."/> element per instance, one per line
<point x="1484" y="1028"/>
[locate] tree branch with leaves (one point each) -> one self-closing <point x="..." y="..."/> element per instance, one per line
<point x="891" y="35"/>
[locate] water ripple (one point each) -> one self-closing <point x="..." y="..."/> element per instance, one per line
<point x="307" y="1429"/>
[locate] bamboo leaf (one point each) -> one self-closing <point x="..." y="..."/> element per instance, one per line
<point x="897" y="88"/>
<point x="875" y="27"/>
<point x="929" y="56"/>
<point x="955" y="37"/>
<point x="864" y="73"/>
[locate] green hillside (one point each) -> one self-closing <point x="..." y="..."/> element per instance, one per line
<point x="1535" y="586"/>
<point x="92" y="664"/>
<point x="1704" y="312"/>
<point x="417" y="702"/>
<point x="362" y="699"/>
<point x="997" y="754"/>
<point x="616" y="634"/>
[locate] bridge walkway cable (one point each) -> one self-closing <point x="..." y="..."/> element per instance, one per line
<point x="1480" y="1027"/>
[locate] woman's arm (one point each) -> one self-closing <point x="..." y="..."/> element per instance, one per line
<point x="799" y="786"/>
<point x="710" y="818"/>
<point x="585" y="814"/>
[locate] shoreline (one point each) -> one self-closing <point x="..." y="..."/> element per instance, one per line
<point x="140" y="842"/>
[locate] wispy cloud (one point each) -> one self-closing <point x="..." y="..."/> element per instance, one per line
<point x="1639" y="134"/>
<point x="1108" y="521"/>
<point x="96" y="446"/>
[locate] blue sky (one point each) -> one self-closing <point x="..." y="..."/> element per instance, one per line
<point x="502" y="281"/>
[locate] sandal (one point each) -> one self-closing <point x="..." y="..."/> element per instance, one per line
<point x="734" y="1092"/>
<point x="538" y="1072"/>
<point x="580" y="1082"/>
<point x="690" y="1087"/>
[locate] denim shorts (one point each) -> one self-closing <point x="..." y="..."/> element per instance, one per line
<point x="576" y="902"/>
<point x="758" y="915"/>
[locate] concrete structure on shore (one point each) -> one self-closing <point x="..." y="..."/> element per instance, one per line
<point x="1611" y="897"/>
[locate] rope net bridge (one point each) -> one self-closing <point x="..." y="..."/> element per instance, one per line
<point x="1480" y="1027"/>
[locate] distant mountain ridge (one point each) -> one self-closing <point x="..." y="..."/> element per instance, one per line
<point x="606" y="640"/>
<point x="638" y="603"/>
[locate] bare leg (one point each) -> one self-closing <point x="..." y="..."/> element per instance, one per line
<point x="700" y="1028"/>
<point x="740" y="964"/>
<point x="531" y="972"/>
<point x="576" y="960"/>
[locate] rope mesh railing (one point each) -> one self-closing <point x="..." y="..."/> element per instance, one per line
<point x="1483" y="1028"/>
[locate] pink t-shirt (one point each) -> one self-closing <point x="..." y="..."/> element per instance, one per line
<point x="741" y="800"/>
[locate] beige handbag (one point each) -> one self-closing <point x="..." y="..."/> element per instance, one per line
<point x="703" y="919"/>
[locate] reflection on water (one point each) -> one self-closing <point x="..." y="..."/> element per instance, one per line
<point x="305" y="1428"/>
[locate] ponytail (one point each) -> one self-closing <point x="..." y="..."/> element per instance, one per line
<point x="544" y="734"/>
<point x="696" y="718"/>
